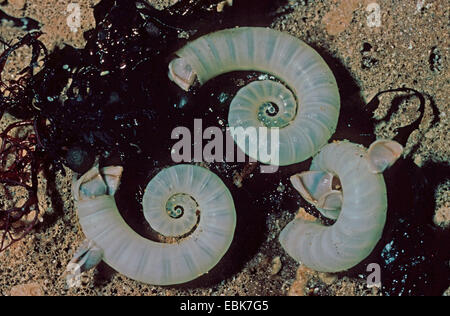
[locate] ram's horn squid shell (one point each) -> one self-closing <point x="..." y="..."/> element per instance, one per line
<point x="360" y="219"/>
<point x="184" y="201"/>
<point x="304" y="104"/>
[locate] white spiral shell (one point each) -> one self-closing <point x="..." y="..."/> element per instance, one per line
<point x="361" y="219"/>
<point x="308" y="100"/>
<point x="209" y="222"/>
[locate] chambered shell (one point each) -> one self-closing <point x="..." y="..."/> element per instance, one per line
<point x="187" y="202"/>
<point x="302" y="102"/>
<point x="360" y="207"/>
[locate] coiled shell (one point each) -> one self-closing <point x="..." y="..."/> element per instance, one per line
<point x="361" y="217"/>
<point x="306" y="124"/>
<point x="208" y="227"/>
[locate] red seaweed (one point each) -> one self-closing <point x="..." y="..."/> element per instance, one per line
<point x="19" y="161"/>
<point x="19" y="167"/>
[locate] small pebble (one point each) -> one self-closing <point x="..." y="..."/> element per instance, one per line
<point x="276" y="265"/>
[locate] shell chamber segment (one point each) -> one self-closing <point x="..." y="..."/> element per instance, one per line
<point x="193" y="204"/>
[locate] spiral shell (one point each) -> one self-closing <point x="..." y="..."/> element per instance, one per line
<point x="304" y="103"/>
<point x="360" y="210"/>
<point x="183" y="201"/>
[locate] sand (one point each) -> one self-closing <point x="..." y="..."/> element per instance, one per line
<point x="407" y="46"/>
